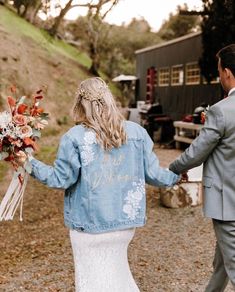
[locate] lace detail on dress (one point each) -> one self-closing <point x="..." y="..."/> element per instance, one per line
<point x="133" y="199"/>
<point x="101" y="263"/>
<point x="87" y="154"/>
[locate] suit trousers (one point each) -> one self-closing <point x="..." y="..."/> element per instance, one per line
<point x="224" y="260"/>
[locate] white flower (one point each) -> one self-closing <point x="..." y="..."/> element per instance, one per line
<point x="133" y="199"/>
<point x="89" y="137"/>
<point x="5" y="119"/>
<point x="87" y="153"/>
<point x="25" y="131"/>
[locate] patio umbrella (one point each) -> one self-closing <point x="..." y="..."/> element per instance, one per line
<point x="123" y="77"/>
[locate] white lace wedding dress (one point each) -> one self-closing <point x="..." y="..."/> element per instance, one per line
<point x="101" y="263"/>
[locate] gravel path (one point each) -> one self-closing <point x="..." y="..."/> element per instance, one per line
<point x="173" y="252"/>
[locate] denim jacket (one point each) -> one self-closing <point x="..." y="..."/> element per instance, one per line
<point x="104" y="190"/>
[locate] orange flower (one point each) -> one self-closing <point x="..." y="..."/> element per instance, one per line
<point x="203" y="117"/>
<point x="29" y="142"/>
<point x="22" y="108"/>
<point x="37" y="111"/>
<point x="11" y="101"/>
<point x="38" y="97"/>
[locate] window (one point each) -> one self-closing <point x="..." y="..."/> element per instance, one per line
<point x="192" y="73"/>
<point x="213" y="81"/>
<point x="177" y="75"/>
<point x="164" y="77"/>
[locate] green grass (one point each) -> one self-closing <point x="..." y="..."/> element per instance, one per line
<point x="50" y="132"/>
<point x="47" y="153"/>
<point x="3" y="170"/>
<point x="16" y="25"/>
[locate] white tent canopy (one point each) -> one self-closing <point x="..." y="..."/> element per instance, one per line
<point x="123" y="77"/>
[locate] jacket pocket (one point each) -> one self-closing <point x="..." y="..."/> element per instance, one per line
<point x="207" y="181"/>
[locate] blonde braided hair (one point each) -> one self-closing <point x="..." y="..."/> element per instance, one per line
<point x="95" y="108"/>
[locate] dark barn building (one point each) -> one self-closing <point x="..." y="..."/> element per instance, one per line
<point x="170" y="73"/>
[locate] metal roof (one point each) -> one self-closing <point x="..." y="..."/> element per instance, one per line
<point x="188" y="36"/>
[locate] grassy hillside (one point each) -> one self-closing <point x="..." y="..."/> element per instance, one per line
<point x="30" y="59"/>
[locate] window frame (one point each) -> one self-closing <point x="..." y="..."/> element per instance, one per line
<point x="160" y="84"/>
<point x="181" y="66"/>
<point x="192" y="76"/>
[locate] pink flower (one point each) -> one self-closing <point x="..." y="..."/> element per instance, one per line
<point x="20" y="120"/>
<point x="25" y="131"/>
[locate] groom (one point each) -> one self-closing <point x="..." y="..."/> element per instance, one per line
<point x="215" y="148"/>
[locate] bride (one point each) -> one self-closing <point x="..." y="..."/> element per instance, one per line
<point x="103" y="163"/>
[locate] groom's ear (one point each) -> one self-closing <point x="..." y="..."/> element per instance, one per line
<point x="228" y="73"/>
<point x="231" y="75"/>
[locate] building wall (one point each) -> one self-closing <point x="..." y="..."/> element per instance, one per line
<point x="182" y="99"/>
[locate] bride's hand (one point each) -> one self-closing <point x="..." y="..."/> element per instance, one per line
<point x="21" y="158"/>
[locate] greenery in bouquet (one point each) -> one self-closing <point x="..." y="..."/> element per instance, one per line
<point x="21" y="126"/>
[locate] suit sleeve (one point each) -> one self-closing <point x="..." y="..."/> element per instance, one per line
<point x="199" y="150"/>
<point x="154" y="174"/>
<point x="66" y="169"/>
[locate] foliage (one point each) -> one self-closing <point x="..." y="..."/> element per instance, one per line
<point x="218" y="30"/>
<point x="179" y="25"/>
<point x="116" y="44"/>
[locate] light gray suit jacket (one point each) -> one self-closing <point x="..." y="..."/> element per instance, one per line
<point x="215" y="148"/>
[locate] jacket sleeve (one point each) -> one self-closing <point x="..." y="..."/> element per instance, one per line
<point x="66" y="169"/>
<point x="203" y="145"/>
<point x="154" y="174"/>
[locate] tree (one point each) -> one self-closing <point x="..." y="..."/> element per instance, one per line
<point x="218" y="30"/>
<point x="28" y="9"/>
<point x="53" y="30"/>
<point x="91" y="6"/>
<point x="116" y="45"/>
<point x="97" y="31"/>
<point x="179" y="25"/>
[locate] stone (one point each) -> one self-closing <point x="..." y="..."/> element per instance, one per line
<point x="179" y="196"/>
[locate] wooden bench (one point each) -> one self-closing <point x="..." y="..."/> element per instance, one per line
<point x="191" y="132"/>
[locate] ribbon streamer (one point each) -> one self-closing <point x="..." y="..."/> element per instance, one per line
<point x="14" y="196"/>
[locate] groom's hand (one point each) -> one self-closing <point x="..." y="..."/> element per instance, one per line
<point x="184" y="177"/>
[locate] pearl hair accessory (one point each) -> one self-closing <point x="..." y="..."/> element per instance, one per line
<point x="86" y="94"/>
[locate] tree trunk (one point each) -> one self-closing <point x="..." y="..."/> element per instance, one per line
<point x="95" y="60"/>
<point x="3" y="2"/>
<point x="32" y="11"/>
<point x="53" y="30"/>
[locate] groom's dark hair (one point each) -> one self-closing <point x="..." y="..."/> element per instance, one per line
<point x="227" y="58"/>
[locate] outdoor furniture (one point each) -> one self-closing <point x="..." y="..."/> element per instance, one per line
<point x="153" y="119"/>
<point x="185" y="132"/>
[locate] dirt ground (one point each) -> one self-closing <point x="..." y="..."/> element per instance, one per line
<point x="172" y="253"/>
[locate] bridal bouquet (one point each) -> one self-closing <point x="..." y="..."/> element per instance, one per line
<point x="20" y="127"/>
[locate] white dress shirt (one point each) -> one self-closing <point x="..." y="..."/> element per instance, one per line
<point x="231" y="90"/>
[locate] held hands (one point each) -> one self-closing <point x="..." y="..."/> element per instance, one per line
<point x="183" y="178"/>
